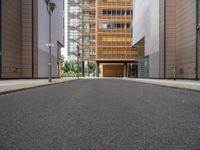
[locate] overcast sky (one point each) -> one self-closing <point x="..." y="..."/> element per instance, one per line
<point x="64" y="50"/>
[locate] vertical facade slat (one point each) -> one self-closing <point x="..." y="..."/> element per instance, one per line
<point x="0" y="41"/>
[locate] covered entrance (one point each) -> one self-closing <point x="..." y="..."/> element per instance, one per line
<point x="117" y="69"/>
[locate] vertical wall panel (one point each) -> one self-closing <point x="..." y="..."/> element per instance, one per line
<point x="185" y="38"/>
<point x="0" y="43"/>
<point x="180" y="35"/>
<point x="11" y="39"/>
<point x="199" y="41"/>
<point x="161" y="37"/>
<point x="27" y="38"/>
<point x="146" y="25"/>
<point x="170" y="37"/>
<point x="35" y="36"/>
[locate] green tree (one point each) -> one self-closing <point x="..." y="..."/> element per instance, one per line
<point x="91" y="67"/>
<point x="66" y="67"/>
<point x="70" y="69"/>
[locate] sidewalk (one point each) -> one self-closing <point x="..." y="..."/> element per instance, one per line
<point x="7" y="86"/>
<point x="180" y="84"/>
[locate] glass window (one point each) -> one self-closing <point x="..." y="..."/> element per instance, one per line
<point x="114" y="12"/>
<point x="109" y="12"/>
<point x="128" y="12"/>
<point x="123" y="12"/>
<point x="104" y="12"/>
<point x="128" y="26"/>
<point x="118" y="12"/>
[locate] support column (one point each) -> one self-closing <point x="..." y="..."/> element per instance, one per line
<point x="33" y="39"/>
<point x="88" y="70"/>
<point x="165" y="39"/>
<point x="97" y="69"/>
<point x="125" y="69"/>
<point x="0" y="40"/>
<point x="197" y="39"/>
<point x="83" y="68"/>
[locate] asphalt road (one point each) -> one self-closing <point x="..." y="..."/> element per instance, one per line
<point x="100" y="115"/>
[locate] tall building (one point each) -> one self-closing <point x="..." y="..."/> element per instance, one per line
<point x="24" y="32"/>
<point x="102" y="30"/>
<point x="74" y="31"/>
<point x="107" y="37"/>
<point x="168" y="33"/>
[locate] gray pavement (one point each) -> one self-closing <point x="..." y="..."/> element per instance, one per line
<point x="181" y="84"/>
<point x="100" y="115"/>
<point x="7" y="86"/>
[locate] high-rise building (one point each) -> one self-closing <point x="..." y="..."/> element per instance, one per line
<point x="107" y="37"/>
<point x="74" y="31"/>
<point x="24" y="32"/>
<point x="102" y="29"/>
<point x="168" y="33"/>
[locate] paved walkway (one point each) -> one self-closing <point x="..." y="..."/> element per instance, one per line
<point x="7" y="86"/>
<point x="181" y="84"/>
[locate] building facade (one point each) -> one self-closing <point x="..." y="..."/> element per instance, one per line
<point x="106" y="37"/>
<point x="168" y="33"/>
<point x="24" y="34"/>
<point x="74" y="27"/>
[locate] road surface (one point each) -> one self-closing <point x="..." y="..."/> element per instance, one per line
<point x="100" y="115"/>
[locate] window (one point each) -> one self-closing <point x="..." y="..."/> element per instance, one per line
<point x="114" y="12"/>
<point x="123" y="12"/>
<point x="107" y="25"/>
<point x="118" y="12"/>
<point x="128" y="26"/>
<point x="118" y="26"/>
<point x="128" y="12"/>
<point x="109" y="12"/>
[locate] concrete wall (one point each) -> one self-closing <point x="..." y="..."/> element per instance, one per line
<point x="11" y="39"/>
<point x="161" y="37"/>
<point x="180" y="35"/>
<point x="43" y="36"/>
<point x="170" y="37"/>
<point x="146" y="25"/>
<point x="199" y="41"/>
<point x="35" y="38"/>
<point x="154" y="65"/>
<point x="18" y="39"/>
<point x="26" y="31"/>
<point x="186" y="38"/>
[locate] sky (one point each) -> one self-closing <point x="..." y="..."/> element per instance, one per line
<point x="64" y="50"/>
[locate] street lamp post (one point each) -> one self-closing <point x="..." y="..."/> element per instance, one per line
<point x="50" y="8"/>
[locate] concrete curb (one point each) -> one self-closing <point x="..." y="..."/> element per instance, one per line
<point x="151" y="82"/>
<point x="164" y="85"/>
<point x="35" y="86"/>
